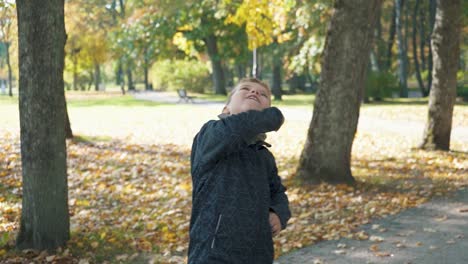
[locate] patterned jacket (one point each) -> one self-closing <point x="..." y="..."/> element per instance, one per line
<point x="235" y="186"/>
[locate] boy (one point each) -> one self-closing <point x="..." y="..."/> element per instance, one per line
<point x="238" y="201"/>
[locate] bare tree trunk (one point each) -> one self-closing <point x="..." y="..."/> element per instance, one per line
<point x="276" y="87"/>
<point x="276" y="62"/>
<point x="422" y="39"/>
<point x="432" y="17"/>
<point x="44" y="214"/>
<point x="424" y="92"/>
<point x="130" y="85"/>
<point x="402" y="50"/>
<point x="446" y="54"/>
<point x="327" y="152"/>
<point x="10" y="76"/>
<point x="97" y="76"/>
<point x="391" y="39"/>
<point x="75" y="68"/>
<point x="218" y="74"/>
<point x="68" y="130"/>
<point x="240" y="71"/>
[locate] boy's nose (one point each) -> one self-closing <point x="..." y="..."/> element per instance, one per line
<point x="254" y="91"/>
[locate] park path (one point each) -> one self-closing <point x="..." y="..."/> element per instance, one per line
<point x="432" y="233"/>
<point x="400" y="127"/>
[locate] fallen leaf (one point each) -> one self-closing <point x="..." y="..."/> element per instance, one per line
<point x="340" y="251"/>
<point x="383" y="254"/>
<point x="374" y="248"/>
<point x="376" y="238"/>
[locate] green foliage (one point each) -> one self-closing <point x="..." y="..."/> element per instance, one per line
<point x="462" y="91"/>
<point x="176" y="74"/>
<point x="380" y="85"/>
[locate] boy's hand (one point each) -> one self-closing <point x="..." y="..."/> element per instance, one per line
<point x="275" y="224"/>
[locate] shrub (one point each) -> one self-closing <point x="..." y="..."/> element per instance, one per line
<point x="380" y="85"/>
<point x="176" y="74"/>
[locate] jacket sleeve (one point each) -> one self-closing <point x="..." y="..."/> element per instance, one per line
<point x="218" y="139"/>
<point x="279" y="203"/>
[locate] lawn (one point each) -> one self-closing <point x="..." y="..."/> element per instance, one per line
<point x="130" y="187"/>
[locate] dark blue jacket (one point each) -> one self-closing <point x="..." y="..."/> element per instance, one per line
<point x="235" y="185"/>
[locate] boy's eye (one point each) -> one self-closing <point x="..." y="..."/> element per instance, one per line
<point x="244" y="88"/>
<point x="264" y="95"/>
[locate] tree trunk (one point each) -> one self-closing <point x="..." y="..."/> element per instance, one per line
<point x="68" y="130"/>
<point x="424" y="92"/>
<point x="97" y="76"/>
<point x="240" y="71"/>
<point x="145" y="71"/>
<point x="422" y="39"/>
<point x="131" y="87"/>
<point x="10" y="76"/>
<point x="276" y="87"/>
<point x="146" y="65"/>
<point x="44" y="215"/>
<point x="75" y="69"/>
<point x="376" y="50"/>
<point x="432" y="17"/>
<point x="391" y="39"/>
<point x="402" y="50"/>
<point x="327" y="152"/>
<point x="445" y="42"/>
<point x="218" y="75"/>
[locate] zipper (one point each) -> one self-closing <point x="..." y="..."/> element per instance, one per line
<point x="216" y="231"/>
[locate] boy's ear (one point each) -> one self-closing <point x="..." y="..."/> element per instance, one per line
<point x="226" y="110"/>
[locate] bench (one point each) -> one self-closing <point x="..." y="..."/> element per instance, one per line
<point x="184" y="97"/>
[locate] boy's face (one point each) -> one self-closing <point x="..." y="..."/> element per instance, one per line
<point x="248" y="96"/>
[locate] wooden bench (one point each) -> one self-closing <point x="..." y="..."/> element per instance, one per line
<point x="184" y="97"/>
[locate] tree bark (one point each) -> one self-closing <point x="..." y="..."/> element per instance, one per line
<point x="218" y="74"/>
<point x="327" y="152"/>
<point x="424" y="92"/>
<point x="75" y="68"/>
<point x="445" y="43"/>
<point x="68" y="130"/>
<point x="391" y="39"/>
<point x="402" y="50"/>
<point x="422" y="39"/>
<point x="145" y="70"/>
<point x="130" y="85"/>
<point x="44" y="216"/>
<point x="10" y="75"/>
<point x="240" y="71"/>
<point x="432" y="17"/>
<point x="97" y="76"/>
<point x="276" y="87"/>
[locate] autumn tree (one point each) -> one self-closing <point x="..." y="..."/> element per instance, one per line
<point x="327" y="152"/>
<point x="265" y="24"/>
<point x="6" y="20"/>
<point x="445" y="43"/>
<point x="44" y="218"/>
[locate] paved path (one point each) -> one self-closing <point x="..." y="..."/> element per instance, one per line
<point x="433" y="233"/>
<point x="169" y="97"/>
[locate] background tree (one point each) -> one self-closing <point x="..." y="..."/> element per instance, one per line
<point x="7" y="19"/>
<point x="44" y="218"/>
<point x="327" y="152"/>
<point x="445" y="43"/>
<point x="402" y="47"/>
<point x="265" y="23"/>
